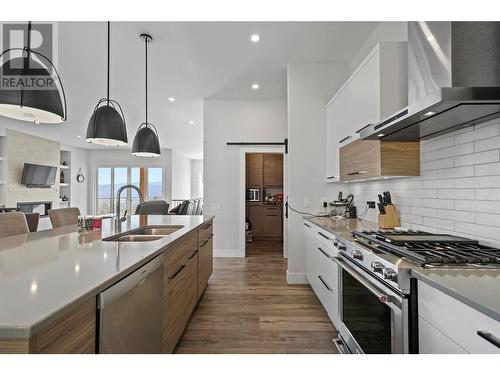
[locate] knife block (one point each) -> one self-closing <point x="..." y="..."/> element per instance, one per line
<point x="390" y="219"/>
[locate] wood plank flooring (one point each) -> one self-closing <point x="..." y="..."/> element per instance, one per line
<point x="248" y="307"/>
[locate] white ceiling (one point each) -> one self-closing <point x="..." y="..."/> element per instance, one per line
<point x="190" y="61"/>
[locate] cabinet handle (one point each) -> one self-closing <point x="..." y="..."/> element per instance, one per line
<point x="357" y="172"/>
<point x="204" y="243"/>
<point x="192" y="256"/>
<point x="268" y="215"/>
<point x="344" y="139"/>
<point x="324" y="253"/>
<point x="324" y="283"/>
<point x="307" y="225"/>
<point x="324" y="236"/>
<point x="332" y="177"/>
<point x="489" y="337"/>
<point x="178" y="272"/>
<point x="364" y="127"/>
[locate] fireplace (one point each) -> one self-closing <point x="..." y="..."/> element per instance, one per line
<point x="38" y="207"/>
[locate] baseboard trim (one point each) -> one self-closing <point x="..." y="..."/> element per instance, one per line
<point x="296" y="278"/>
<point x="228" y="253"/>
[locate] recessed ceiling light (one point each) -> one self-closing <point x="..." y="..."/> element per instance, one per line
<point x="380" y="135"/>
<point x="255" y="38"/>
<point x="255" y="86"/>
<point x="191" y="122"/>
<point x="171" y="99"/>
<point x="430" y="113"/>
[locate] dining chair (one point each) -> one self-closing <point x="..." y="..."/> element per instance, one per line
<point x="60" y="217"/>
<point x="13" y="223"/>
<point x="157" y="207"/>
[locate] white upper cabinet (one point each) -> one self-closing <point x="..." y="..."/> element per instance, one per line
<point x="375" y="90"/>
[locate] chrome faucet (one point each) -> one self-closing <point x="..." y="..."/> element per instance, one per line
<point x="118" y="219"/>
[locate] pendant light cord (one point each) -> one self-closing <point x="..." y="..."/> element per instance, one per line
<point x="107" y="93"/>
<point x="146" y="49"/>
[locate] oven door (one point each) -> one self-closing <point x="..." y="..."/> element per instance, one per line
<point x="373" y="316"/>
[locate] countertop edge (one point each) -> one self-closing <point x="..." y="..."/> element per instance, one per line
<point x="456" y="295"/>
<point x="26" y="332"/>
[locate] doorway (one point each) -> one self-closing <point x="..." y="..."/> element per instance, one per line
<point x="264" y="208"/>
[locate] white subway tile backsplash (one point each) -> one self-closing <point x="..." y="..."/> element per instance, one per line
<point x="458" y="191"/>
<point x="490" y="169"/>
<point x="439" y="203"/>
<point x="487" y="194"/>
<point x="488" y="219"/>
<point x="456" y="194"/>
<point x="487" y="144"/>
<point x="477" y="158"/>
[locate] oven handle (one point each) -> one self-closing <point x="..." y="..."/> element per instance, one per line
<point x="382" y="295"/>
<point x="341" y="346"/>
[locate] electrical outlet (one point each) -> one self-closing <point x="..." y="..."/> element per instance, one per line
<point x="307" y="202"/>
<point x="371" y="204"/>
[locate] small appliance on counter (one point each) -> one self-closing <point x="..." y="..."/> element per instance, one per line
<point x="253" y="195"/>
<point x="343" y="206"/>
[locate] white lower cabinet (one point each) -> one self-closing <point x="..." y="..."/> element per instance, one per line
<point x="432" y="341"/>
<point x="468" y="328"/>
<point x="321" y="271"/>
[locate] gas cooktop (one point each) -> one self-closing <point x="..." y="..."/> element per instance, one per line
<point x="429" y="249"/>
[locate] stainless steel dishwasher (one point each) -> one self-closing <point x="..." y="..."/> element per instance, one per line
<point x="130" y="312"/>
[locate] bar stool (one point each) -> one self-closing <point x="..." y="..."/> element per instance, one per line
<point x="60" y="217"/>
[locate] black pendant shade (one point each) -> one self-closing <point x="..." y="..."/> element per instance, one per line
<point x="146" y="142"/>
<point x="44" y="101"/>
<point x="107" y="124"/>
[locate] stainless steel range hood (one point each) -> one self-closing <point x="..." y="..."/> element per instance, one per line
<point x="453" y="80"/>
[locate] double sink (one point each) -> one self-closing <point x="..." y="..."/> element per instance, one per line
<point x="144" y="234"/>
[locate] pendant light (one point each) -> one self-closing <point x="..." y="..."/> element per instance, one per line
<point x="38" y="105"/>
<point x="146" y="141"/>
<point x="107" y="124"/>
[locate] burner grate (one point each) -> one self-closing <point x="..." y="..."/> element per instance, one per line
<point x="429" y="248"/>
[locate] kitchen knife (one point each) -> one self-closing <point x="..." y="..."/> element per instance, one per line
<point x="389" y="198"/>
<point x="381" y="208"/>
<point x="380" y="199"/>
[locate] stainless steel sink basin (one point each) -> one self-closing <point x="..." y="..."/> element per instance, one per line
<point x="136" y="238"/>
<point x="157" y="231"/>
<point x="150" y="233"/>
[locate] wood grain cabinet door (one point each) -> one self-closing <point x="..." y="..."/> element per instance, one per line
<point x="254" y="212"/>
<point x="279" y="170"/>
<point x="270" y="170"/>
<point x="254" y="170"/>
<point x="74" y="333"/>
<point x="205" y="264"/>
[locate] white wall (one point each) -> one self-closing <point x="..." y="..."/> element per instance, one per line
<point x="197" y="178"/>
<point x="181" y="176"/>
<point x="310" y="87"/>
<point x="233" y="121"/>
<point x="385" y="31"/>
<point x="124" y="157"/>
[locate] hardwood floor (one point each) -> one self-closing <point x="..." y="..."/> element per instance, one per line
<point x="248" y="307"/>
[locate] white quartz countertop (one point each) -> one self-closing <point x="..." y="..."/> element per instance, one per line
<point x="478" y="288"/>
<point x="44" y="274"/>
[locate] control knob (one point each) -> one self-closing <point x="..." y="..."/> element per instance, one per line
<point x="377" y="267"/>
<point x="356" y="254"/>
<point x="389" y="274"/>
<point x="341" y="246"/>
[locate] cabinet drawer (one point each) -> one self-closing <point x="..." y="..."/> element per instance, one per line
<point x="185" y="245"/>
<point x="456" y="320"/>
<point x="432" y="341"/>
<point x="180" y="296"/>
<point x="324" y="238"/>
<point x="205" y="231"/>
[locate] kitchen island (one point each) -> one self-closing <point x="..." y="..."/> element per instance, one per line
<point x="49" y="280"/>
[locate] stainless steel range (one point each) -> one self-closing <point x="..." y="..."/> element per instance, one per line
<point x="378" y="296"/>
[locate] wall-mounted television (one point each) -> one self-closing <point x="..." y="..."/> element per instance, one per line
<point x="38" y="176"/>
